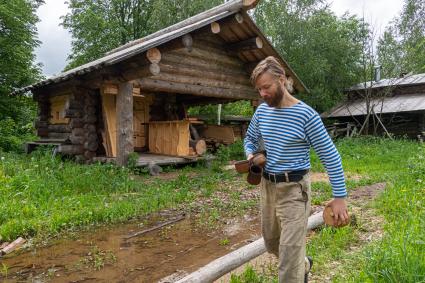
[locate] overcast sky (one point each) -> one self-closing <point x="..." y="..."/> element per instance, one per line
<point x="56" y="42"/>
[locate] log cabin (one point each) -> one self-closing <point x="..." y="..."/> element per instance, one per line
<point x="396" y="106"/>
<point x="135" y="97"/>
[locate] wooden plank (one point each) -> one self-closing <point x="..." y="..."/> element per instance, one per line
<point x="169" y="137"/>
<point x="109" y="118"/>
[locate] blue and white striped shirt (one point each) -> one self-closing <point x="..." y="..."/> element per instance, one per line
<point x="287" y="134"/>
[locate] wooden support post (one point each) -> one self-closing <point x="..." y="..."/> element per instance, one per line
<point x="215" y="27"/>
<point x="124" y="122"/>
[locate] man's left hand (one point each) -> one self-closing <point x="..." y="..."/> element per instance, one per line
<point x="339" y="209"/>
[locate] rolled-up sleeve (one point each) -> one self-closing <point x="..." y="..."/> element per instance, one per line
<point x="252" y="137"/>
<point x="323" y="145"/>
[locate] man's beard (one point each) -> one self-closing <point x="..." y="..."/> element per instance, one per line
<point x="276" y="99"/>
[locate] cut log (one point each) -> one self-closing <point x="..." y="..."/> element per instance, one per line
<point x="151" y="85"/>
<point x="246" y="45"/>
<point x="139" y="72"/>
<point x="73" y="113"/>
<point x="249" y="4"/>
<point x="13" y="246"/>
<point x="78" y="132"/>
<point x="215" y="27"/>
<point x="91" y="145"/>
<point x="229" y="262"/>
<point x="89" y="155"/>
<point x="186" y="70"/>
<point x="59" y="128"/>
<point x="76" y="123"/>
<point x="199" y="146"/>
<point x="153" y="55"/>
<point x="202" y="82"/>
<point x="239" y="18"/>
<point x="174" y="58"/>
<point x="76" y="139"/>
<point x="187" y="42"/>
<point x="212" y="57"/>
<point x="70" y="149"/>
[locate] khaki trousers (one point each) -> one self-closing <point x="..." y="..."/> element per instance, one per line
<point x="285" y="208"/>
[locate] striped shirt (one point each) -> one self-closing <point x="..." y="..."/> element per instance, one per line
<point x="287" y="134"/>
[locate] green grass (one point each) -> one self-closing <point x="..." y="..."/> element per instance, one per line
<point x="400" y="255"/>
<point x="42" y="196"/>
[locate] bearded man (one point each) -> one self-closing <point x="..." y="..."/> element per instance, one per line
<point x="288" y="127"/>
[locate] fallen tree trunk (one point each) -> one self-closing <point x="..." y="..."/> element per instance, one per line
<point x="229" y="262"/>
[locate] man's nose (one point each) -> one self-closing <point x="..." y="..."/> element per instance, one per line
<point x="262" y="93"/>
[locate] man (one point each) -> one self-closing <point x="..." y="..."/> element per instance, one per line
<point x="288" y="127"/>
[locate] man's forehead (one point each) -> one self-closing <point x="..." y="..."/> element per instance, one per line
<point x="265" y="78"/>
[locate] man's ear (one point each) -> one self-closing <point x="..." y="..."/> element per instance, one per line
<point x="282" y="80"/>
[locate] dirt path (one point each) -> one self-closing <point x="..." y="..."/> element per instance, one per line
<point x="371" y="230"/>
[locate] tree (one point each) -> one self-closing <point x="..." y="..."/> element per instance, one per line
<point x="402" y="48"/>
<point x="17" y="41"/>
<point x="323" y="50"/>
<point x="98" y="26"/>
<point x="17" y="69"/>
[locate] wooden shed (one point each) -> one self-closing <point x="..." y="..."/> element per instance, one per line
<point x="397" y="103"/>
<point x="135" y="97"/>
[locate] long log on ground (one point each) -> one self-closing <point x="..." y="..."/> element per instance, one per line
<point x="229" y="262"/>
<point x="151" y="85"/>
<point x="13" y="246"/>
<point x="179" y="218"/>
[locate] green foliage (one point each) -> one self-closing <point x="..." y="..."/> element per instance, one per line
<point x="210" y="112"/>
<point x="16" y="122"/>
<point x="42" y="195"/>
<point x="233" y="151"/>
<point x="324" y="51"/>
<point x="100" y="26"/>
<point x="402" y="48"/>
<point x="17" y="69"/>
<point x="17" y="43"/>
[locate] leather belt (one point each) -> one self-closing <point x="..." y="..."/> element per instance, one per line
<point x="292" y="176"/>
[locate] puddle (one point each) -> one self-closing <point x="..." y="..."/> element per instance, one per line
<point x="105" y="255"/>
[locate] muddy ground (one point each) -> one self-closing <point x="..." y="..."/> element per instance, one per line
<point x="107" y="254"/>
